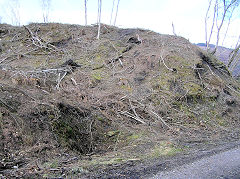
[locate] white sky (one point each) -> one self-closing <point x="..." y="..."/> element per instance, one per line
<point x="158" y="15"/>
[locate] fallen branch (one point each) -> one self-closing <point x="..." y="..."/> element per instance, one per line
<point x="159" y="118"/>
<point x="4" y="59"/>
<point x="60" y="79"/>
<point x="74" y="81"/>
<point x="118" y="58"/>
<point x="5" y="104"/>
<point x="133" y="117"/>
<point x="134" y="111"/>
<point x="150" y="111"/>
<point x="39" y="42"/>
<point x="57" y="70"/>
<point x="163" y="61"/>
<point x="229" y="87"/>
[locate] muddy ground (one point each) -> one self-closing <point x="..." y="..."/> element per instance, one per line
<point x="75" y="106"/>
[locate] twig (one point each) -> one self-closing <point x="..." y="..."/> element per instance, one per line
<point x="183" y="95"/>
<point x="147" y="109"/>
<point x="39" y="42"/>
<point x="162" y="59"/>
<point x="115" y="146"/>
<point x="197" y="71"/>
<point x="74" y="81"/>
<point x="120" y="61"/>
<point x="4" y="59"/>
<point x="211" y="70"/>
<point x="5" y="104"/>
<point x="131" y="69"/>
<point x="161" y="119"/>
<point x="54" y="169"/>
<point x="60" y="79"/>
<point x="91" y="135"/>
<point x="51" y="69"/>
<point x="233" y="89"/>
<point x="214" y="74"/>
<point x="118" y="58"/>
<point x="36" y="41"/>
<point x="134" y="111"/>
<point x="133" y="117"/>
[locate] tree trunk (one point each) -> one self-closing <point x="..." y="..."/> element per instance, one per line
<point x="85" y="4"/>
<point x="116" y="13"/>
<point x="99" y="17"/>
<point x="112" y="12"/>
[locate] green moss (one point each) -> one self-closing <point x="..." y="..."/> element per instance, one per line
<point x="164" y="149"/>
<point x="193" y="89"/>
<point x="177" y="104"/>
<point x="107" y="161"/>
<point x="97" y="76"/>
<point x="118" y="44"/>
<point x="100" y="119"/>
<point x="112" y="133"/>
<point x="134" y="136"/>
<point x="161" y="83"/>
<point x="83" y="61"/>
<point x="51" y="116"/>
<point x="213" y="112"/>
<point x="187" y="112"/>
<point x="66" y="130"/>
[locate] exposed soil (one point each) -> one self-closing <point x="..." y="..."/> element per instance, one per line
<point x="75" y="106"/>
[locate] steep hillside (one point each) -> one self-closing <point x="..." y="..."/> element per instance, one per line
<point x="223" y="55"/>
<point x="70" y="104"/>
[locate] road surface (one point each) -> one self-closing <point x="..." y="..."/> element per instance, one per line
<point x="224" y="165"/>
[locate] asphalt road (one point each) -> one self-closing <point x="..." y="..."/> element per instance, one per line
<point x="224" y="165"/>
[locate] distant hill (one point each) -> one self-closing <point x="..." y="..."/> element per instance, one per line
<point x="223" y="55"/>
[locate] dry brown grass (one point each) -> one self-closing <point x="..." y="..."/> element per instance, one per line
<point x="159" y="87"/>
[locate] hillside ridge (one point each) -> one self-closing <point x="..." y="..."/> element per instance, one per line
<point x="72" y="102"/>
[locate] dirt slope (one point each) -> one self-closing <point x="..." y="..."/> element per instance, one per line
<point x="223" y="55"/>
<point x="70" y="103"/>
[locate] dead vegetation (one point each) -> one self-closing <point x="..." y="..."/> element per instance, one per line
<point x="63" y="93"/>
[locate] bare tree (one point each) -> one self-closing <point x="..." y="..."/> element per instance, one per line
<point x="173" y="29"/>
<point x="14" y="7"/>
<point x="116" y="13"/>
<point x="222" y="14"/>
<point x="229" y="21"/>
<point x="206" y="27"/>
<point x="85" y="5"/>
<point x="112" y="12"/>
<point x="221" y="11"/>
<point x="46" y="5"/>
<point x="234" y="56"/>
<point x="99" y="17"/>
<point x="227" y="7"/>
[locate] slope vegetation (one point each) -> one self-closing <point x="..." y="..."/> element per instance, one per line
<point x="70" y="103"/>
